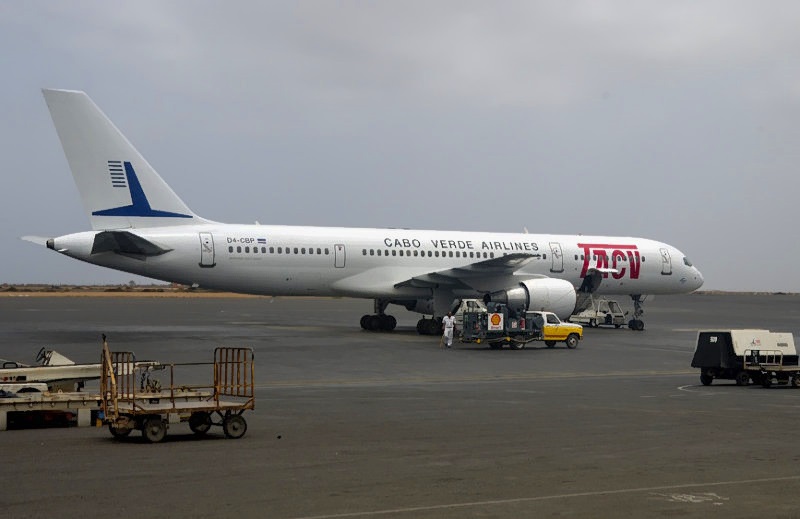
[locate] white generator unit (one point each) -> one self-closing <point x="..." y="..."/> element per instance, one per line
<point x="733" y="354"/>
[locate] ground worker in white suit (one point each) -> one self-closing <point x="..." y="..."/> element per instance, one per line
<point x="448" y="326"/>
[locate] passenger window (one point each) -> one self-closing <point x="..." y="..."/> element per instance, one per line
<point x="319" y="251"/>
<point x="230" y="249"/>
<point x="327" y="251"/>
<point x="247" y="249"/>
<point x="295" y="250"/>
<point x="272" y="250"/>
<point x="239" y="249"/>
<point x="379" y="252"/>
<point x="372" y="252"/>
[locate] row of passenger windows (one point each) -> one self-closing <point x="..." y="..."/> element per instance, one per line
<point x="606" y="257"/>
<point x="429" y="254"/>
<point x="281" y="250"/>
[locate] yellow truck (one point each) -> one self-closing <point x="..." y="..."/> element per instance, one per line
<point x="497" y="326"/>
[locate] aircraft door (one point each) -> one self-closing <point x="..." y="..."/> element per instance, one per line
<point x="339" y="256"/>
<point x="666" y="262"/>
<point x="206" y="250"/>
<point x="557" y="257"/>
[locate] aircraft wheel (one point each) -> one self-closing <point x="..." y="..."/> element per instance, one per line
<point x="154" y="429"/>
<point x="234" y="426"/>
<point x="572" y="341"/>
<point x="742" y="378"/>
<point x="364" y="319"/>
<point x="388" y="322"/>
<point x="200" y="422"/>
<point x="433" y="327"/>
<point x="706" y="378"/>
<point x="374" y="323"/>
<point x="550" y="344"/>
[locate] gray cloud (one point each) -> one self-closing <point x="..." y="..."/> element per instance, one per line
<point x="669" y="120"/>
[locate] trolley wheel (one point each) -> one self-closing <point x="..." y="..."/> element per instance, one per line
<point x="118" y="432"/>
<point x="234" y="426"/>
<point x="572" y="341"/>
<point x="593" y="323"/>
<point x="742" y="378"/>
<point x="154" y="430"/>
<point x="200" y="422"/>
<point x="550" y="344"/>
<point x="706" y="378"/>
<point x="766" y="381"/>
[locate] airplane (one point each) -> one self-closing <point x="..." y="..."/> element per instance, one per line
<point x="139" y="225"/>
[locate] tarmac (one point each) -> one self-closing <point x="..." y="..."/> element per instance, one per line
<point x="357" y="424"/>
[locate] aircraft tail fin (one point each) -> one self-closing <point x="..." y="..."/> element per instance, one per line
<point x="118" y="186"/>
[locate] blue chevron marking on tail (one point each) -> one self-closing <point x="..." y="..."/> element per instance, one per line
<point x="139" y="204"/>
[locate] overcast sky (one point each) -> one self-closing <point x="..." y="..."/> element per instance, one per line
<point x="677" y="121"/>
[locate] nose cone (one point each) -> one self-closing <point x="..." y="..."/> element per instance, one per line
<point x="695" y="279"/>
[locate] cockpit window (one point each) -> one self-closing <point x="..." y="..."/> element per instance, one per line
<point x="687" y="262"/>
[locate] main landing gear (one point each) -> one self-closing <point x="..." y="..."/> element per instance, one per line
<point x="379" y="321"/>
<point x="636" y="323"/>
<point x="432" y="326"/>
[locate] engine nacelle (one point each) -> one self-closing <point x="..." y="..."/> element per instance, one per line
<point x="545" y="294"/>
<point x="421" y="306"/>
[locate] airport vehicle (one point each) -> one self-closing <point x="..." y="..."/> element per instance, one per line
<point x="500" y="325"/>
<point x="139" y="225"/>
<point x="742" y="355"/>
<point x="53" y="369"/>
<point x="601" y="311"/>
<point x="132" y="399"/>
<point x="467" y="305"/>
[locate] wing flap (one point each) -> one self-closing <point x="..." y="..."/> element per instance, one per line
<point x="473" y="275"/>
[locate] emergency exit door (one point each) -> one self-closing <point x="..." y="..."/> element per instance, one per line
<point x="556" y="257"/>
<point x="339" y="256"/>
<point x="666" y="262"/>
<point x="206" y="250"/>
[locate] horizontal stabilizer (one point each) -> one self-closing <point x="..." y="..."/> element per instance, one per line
<point x="38" y="240"/>
<point x="125" y="242"/>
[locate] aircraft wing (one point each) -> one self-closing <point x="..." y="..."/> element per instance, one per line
<point x="481" y="275"/>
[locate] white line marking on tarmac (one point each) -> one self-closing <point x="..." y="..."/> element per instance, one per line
<point x="690" y="389"/>
<point x="547" y="498"/>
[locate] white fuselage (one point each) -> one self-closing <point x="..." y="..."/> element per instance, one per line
<point x="369" y="263"/>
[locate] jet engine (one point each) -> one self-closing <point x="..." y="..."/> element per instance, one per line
<point x="545" y="294"/>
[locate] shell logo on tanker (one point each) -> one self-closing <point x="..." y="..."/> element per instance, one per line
<point x="496" y="319"/>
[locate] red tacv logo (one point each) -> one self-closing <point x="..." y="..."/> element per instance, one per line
<point x="624" y="258"/>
